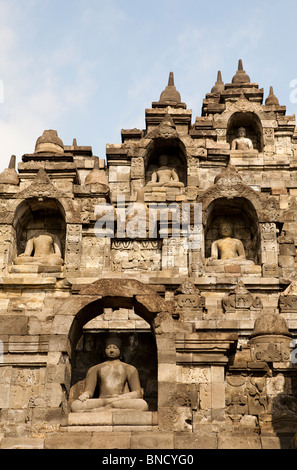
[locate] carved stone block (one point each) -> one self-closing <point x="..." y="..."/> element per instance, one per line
<point x="241" y="299"/>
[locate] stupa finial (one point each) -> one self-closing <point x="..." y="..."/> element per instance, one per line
<point x="240" y="76"/>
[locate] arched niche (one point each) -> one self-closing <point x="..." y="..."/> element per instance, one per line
<point x="176" y="152"/>
<point x="252" y="124"/>
<point x="241" y="214"/>
<point x="86" y="339"/>
<point x="36" y="217"/>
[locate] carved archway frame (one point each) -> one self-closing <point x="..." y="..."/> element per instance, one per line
<point x="229" y="185"/>
<point x="76" y="311"/>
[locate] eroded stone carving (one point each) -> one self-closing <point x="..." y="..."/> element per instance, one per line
<point x="270" y="340"/>
<point x="41" y="250"/>
<point x="288" y="300"/>
<point x="257" y="395"/>
<point x="188" y="297"/>
<point x="119" y="384"/>
<point x="236" y="397"/>
<point x="241" y="299"/>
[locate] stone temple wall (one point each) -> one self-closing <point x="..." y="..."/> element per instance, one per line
<point x="183" y="244"/>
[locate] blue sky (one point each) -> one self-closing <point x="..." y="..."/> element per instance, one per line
<point x="89" y="68"/>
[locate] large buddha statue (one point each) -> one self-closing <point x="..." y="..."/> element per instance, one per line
<point x="165" y="176"/>
<point x="42" y="250"/>
<point x="227" y="250"/>
<point x="119" y="384"/>
<point x="242" y="142"/>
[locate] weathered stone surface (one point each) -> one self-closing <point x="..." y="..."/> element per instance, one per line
<point x="22" y="443"/>
<point x="240" y="442"/>
<point x="114" y="440"/>
<point x="196" y="441"/>
<point x="206" y="317"/>
<point x="153" y="440"/>
<point x="68" y="441"/>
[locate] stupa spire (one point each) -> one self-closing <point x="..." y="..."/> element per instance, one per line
<point x="271" y="99"/>
<point x="170" y="95"/>
<point x="219" y="85"/>
<point x="241" y="76"/>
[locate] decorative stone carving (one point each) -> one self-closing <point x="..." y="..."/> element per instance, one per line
<point x="236" y="397"/>
<point x="227" y="250"/>
<point x="119" y="384"/>
<point x="165" y="131"/>
<point x="242" y="142"/>
<point x="270" y="340"/>
<point x="187" y="396"/>
<point x="241" y="299"/>
<point x="288" y="300"/>
<point x="228" y="177"/>
<point x="142" y="255"/>
<point x="228" y="184"/>
<point x="188" y="297"/>
<point x="42" y="250"/>
<point x="257" y="396"/>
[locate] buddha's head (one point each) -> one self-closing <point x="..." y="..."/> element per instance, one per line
<point x="241" y="132"/>
<point x="112" y="347"/>
<point x="226" y="229"/>
<point x="163" y="160"/>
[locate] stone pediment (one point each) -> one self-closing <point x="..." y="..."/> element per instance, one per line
<point x="240" y="298"/>
<point x="166" y="130"/>
<point x="242" y="104"/>
<point x="41" y="187"/>
<point x="229" y="185"/>
<point x="188" y="297"/>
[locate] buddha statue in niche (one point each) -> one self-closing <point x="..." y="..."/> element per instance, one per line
<point x="119" y="384"/>
<point x="227" y="250"/>
<point x="165" y="176"/>
<point x="242" y="142"/>
<point x="42" y="250"/>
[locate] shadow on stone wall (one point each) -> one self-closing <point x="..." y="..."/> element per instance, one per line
<point x="284" y="411"/>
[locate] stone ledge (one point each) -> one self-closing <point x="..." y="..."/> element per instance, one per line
<point x="111" y="429"/>
<point x="21" y="443"/>
<point x="34" y="269"/>
<point x="113" y="418"/>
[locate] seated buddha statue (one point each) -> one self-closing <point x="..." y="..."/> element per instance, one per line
<point x="119" y="384"/>
<point x="165" y="176"/>
<point x="227" y="250"/>
<point x="242" y="142"/>
<point x="42" y="250"/>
